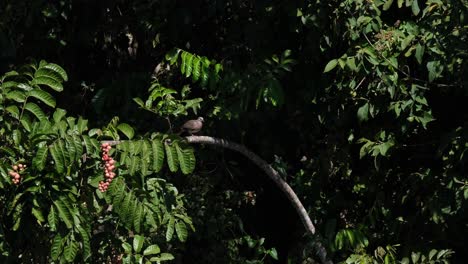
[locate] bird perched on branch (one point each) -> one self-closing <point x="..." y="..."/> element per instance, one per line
<point x="192" y="126"/>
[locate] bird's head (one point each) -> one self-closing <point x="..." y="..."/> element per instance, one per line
<point x="200" y="119"/>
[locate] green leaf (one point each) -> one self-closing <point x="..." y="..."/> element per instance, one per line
<point x="188" y="64"/>
<point x="35" y="110"/>
<point x="52" y="219"/>
<point x="351" y="63"/>
<point x="127" y="247"/>
<point x="432" y="254"/>
<point x="38" y="214"/>
<point x="273" y="253"/>
<point x="13" y="110"/>
<point x="186" y="158"/>
<point x="152" y="250"/>
<point x="50" y="82"/>
<point x="39" y="160"/>
<point x="18" y="96"/>
<point x="415" y="256"/>
<point x="64" y="213"/>
<point x="157" y="149"/>
<point x="415" y="7"/>
<point x="163" y="257"/>
<point x="26" y="122"/>
<point x="387" y="5"/>
<point x="71" y="251"/>
<point x="127" y="130"/>
<point x="400" y="3"/>
<point x="419" y="53"/>
<point x="363" y="112"/>
<point x="435" y="69"/>
<point x="138" y="243"/>
<point x="56" y="247"/>
<point x="170" y="229"/>
<point x="171" y="154"/>
<point x="86" y="242"/>
<point x="48" y="73"/>
<point x="57" y="157"/>
<point x="56" y="68"/>
<point x="196" y="69"/>
<point x="181" y="230"/>
<point x="82" y="125"/>
<point x="330" y="65"/>
<point x="59" y="114"/>
<point x="139" y="102"/>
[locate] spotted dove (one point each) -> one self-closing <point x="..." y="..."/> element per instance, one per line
<point x="192" y="126"/>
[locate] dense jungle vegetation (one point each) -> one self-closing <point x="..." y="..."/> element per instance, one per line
<point x="360" y="105"/>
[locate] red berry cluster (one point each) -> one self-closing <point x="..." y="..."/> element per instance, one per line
<point x="15" y="176"/>
<point x="109" y="166"/>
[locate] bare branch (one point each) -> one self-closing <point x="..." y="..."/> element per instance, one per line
<point x="273" y="175"/>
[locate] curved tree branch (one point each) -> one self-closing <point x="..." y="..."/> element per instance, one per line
<point x="273" y="175"/>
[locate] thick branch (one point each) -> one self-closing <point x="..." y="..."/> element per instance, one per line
<point x="274" y="175"/>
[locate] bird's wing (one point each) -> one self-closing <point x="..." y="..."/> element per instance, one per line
<point x="192" y="124"/>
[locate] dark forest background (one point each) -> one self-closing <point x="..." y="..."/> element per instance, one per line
<point x="361" y="105"/>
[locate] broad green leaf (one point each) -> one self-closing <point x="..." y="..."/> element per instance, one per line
<point x="157" y="149"/>
<point x="387" y="5"/>
<point x="138" y="217"/>
<point x="71" y="251"/>
<point x="400" y="3"/>
<point x="50" y="82"/>
<point x="186" y="158"/>
<point x="330" y="65"/>
<point x="82" y="125"/>
<point x="59" y="114"/>
<point x="181" y="230"/>
<point x="419" y="53"/>
<point x="273" y="253"/>
<point x="351" y="63"/>
<point x="40" y="159"/>
<point x="17" y="216"/>
<point x="52" y="219"/>
<point x="35" y="110"/>
<point x="196" y="68"/>
<point x="13" y="110"/>
<point x="48" y="73"/>
<point x="163" y="257"/>
<point x="170" y="229"/>
<point x="432" y="253"/>
<point x="18" y="96"/>
<point x="183" y="62"/>
<point x="56" y="247"/>
<point x="415" y="256"/>
<point x="172" y="160"/>
<point x="86" y="242"/>
<point x="126" y="129"/>
<point x="38" y="214"/>
<point x="139" y="102"/>
<point x="152" y="250"/>
<point x="138" y="243"/>
<point x="26" y="122"/>
<point x="188" y="64"/>
<point x="64" y="213"/>
<point x="127" y="247"/>
<point x="57" y="157"/>
<point x="363" y="113"/>
<point x="58" y="69"/>
<point x="415" y="7"/>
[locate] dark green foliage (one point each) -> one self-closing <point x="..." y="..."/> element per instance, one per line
<point x="362" y="105"/>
